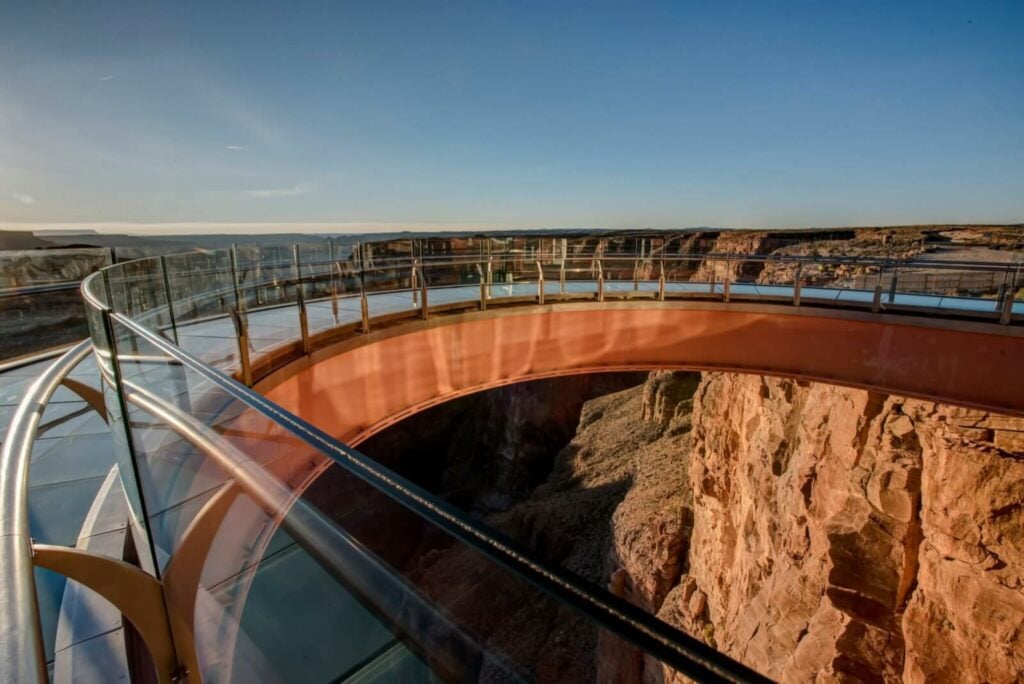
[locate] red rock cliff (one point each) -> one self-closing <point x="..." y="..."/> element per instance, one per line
<point x="831" y="534"/>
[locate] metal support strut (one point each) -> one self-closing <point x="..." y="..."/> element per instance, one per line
<point x="797" y="284"/>
<point x="483" y="287"/>
<point x="242" y="333"/>
<point x="540" y="283"/>
<point x="301" y="298"/>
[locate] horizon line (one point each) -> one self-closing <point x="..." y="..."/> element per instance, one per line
<point x="360" y="227"/>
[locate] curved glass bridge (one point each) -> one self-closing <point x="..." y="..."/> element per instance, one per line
<point x="158" y="515"/>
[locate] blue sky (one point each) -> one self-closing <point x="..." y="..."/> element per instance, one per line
<point x="514" y="114"/>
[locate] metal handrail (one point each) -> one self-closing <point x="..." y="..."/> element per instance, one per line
<point x="295" y="281"/>
<point x="399" y="263"/>
<point x="22" y="656"/>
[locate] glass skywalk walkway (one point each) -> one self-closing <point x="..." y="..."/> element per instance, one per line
<point x="273" y="552"/>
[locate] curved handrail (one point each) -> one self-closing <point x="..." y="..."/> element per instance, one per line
<point x="22" y="657"/>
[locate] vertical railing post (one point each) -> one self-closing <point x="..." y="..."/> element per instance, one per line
<point x="892" y="283"/>
<point x="424" y="304"/>
<point x="242" y="335"/>
<point x="233" y="256"/>
<point x="600" y="280"/>
<point x="797" y="284"/>
<point x="483" y="287"/>
<point x="334" y="266"/>
<point x="636" y="270"/>
<point x="490" y="273"/>
<point x="714" y="266"/>
<point x="561" y="277"/>
<point x="727" y="286"/>
<point x="364" y="303"/>
<point x="661" y="281"/>
<point x="540" y="283"/>
<point x="301" y="299"/>
<point x="1006" y="312"/>
<point x="168" y="298"/>
<point x="413" y="284"/>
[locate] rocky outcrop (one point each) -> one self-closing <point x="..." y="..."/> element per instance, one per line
<point x="964" y="620"/>
<point x="738" y="242"/>
<point x="837" y="535"/>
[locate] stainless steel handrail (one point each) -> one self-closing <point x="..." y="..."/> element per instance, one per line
<point x="22" y="655"/>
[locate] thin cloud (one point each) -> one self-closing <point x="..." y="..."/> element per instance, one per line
<point x="234" y="148"/>
<point x="108" y="77"/>
<point x="276" y="192"/>
<point x="23" y="198"/>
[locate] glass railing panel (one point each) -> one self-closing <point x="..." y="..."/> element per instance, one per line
<point x="945" y="287"/>
<point x="331" y="286"/>
<point x="138" y="289"/>
<point x="831" y="280"/>
<point x="204" y="293"/>
<point x="513" y="277"/>
<point x="687" y="276"/>
<point x="271" y="326"/>
<point x="751" y="277"/>
<point x="201" y="284"/>
<point x="622" y="275"/>
<point x="122" y="449"/>
<point x="453" y="280"/>
<point x="577" y="276"/>
<point x="389" y="289"/>
<point x="265" y="274"/>
<point x="333" y="311"/>
<point x="383" y="252"/>
<point x="315" y="268"/>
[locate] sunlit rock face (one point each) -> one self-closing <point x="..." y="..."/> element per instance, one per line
<point x="828" y="534"/>
<point x="813" y="532"/>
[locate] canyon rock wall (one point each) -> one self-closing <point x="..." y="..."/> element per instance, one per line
<point x="830" y="534"/>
